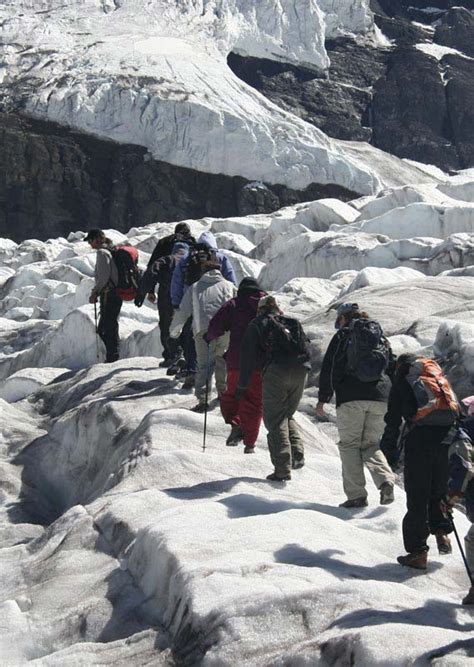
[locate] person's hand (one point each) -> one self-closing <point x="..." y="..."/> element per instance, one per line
<point x="448" y="502"/>
<point x="151" y="297"/>
<point x="239" y="392"/>
<point x="93" y="298"/>
<point x="320" y="411"/>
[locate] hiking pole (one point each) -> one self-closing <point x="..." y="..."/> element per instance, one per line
<point x="207" y="398"/>
<point x="96" y="332"/>
<point x="466" y="565"/>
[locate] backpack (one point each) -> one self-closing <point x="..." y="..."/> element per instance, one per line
<point x="126" y="261"/>
<point x="198" y="254"/>
<point x="285" y="341"/>
<point x="367" y="350"/>
<point x="436" y="401"/>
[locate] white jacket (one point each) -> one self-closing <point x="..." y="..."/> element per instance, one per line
<point x="202" y="300"/>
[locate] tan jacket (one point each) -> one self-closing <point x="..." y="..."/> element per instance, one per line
<point x="106" y="274"/>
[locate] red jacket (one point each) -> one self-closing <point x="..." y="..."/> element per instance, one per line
<point x="234" y="316"/>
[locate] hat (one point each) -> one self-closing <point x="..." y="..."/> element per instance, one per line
<point x="179" y="248"/>
<point x="93" y="234"/>
<point x="249" y="285"/>
<point x="182" y="228"/>
<point x="345" y="308"/>
<point x="468" y="402"/>
<point x="268" y="304"/>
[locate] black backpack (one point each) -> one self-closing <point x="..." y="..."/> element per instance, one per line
<point x="285" y="341"/>
<point x="126" y="261"/>
<point x="367" y="350"/>
<point x="198" y="254"/>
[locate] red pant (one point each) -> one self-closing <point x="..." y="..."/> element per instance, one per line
<point x="248" y="411"/>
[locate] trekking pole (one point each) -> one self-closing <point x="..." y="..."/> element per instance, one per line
<point x="96" y="332"/>
<point x="466" y="565"/>
<point x="207" y="398"/>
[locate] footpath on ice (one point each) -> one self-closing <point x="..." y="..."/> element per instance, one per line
<point x="199" y="544"/>
<point x="123" y="542"/>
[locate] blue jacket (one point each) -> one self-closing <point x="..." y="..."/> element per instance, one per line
<point x="461" y="465"/>
<point x="178" y="286"/>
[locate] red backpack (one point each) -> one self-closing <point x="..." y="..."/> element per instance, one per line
<point x="436" y="400"/>
<point x="126" y="261"/>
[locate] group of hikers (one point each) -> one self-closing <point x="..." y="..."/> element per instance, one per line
<point x="260" y="359"/>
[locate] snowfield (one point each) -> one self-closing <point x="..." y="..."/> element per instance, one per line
<point x="155" y="74"/>
<point x="123" y="542"/>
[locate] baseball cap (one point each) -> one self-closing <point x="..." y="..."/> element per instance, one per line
<point x="93" y="234"/>
<point x="345" y="308"/>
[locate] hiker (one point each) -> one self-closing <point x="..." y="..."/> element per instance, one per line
<point x="244" y="415"/>
<point x="461" y="481"/>
<point x="201" y="301"/>
<point x="116" y="280"/>
<point x="422" y="396"/>
<point x="164" y="247"/>
<point x="160" y="272"/>
<point x="186" y="273"/>
<point x="355" y="368"/>
<point x="279" y="346"/>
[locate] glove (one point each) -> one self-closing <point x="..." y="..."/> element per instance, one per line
<point x="239" y="392"/>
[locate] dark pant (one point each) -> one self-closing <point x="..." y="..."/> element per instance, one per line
<point x="426" y="479"/>
<point x="170" y="345"/>
<point x="108" y="327"/>
<point x="189" y="348"/>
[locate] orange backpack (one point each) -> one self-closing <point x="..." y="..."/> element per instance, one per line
<point x="436" y="400"/>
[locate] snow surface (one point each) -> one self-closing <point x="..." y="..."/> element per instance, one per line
<point x="124" y="543"/>
<point x="155" y="74"/>
<point x="438" y="51"/>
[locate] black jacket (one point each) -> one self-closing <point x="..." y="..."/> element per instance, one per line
<point x="255" y="355"/>
<point x="165" y="245"/>
<point x="334" y="376"/>
<point x="160" y="272"/>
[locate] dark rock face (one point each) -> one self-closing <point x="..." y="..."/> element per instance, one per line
<point x="456" y="29"/>
<point x="460" y="103"/>
<point x="399" y="99"/>
<point x="337" y="104"/>
<point x="54" y="181"/>
<point x="410" y="115"/>
<point x="417" y="9"/>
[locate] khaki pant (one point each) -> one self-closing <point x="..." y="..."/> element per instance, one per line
<point x="282" y="391"/>
<point x="360" y="425"/>
<point x="216" y="350"/>
<point x="469" y="543"/>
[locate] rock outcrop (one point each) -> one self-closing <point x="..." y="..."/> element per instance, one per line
<point x="410" y="96"/>
<point x="56" y="181"/>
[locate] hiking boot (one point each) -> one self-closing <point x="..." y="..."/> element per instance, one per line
<point x="443" y="542"/>
<point x="279" y="478"/>
<point x="200" y="408"/>
<point x="235" y="436"/>
<point x="469" y="599"/>
<point x="355" y="502"/>
<point x="249" y="449"/>
<point x="297" y="463"/>
<point x="175" y="366"/>
<point x="386" y="493"/>
<point x="188" y="382"/>
<point x="417" y="560"/>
